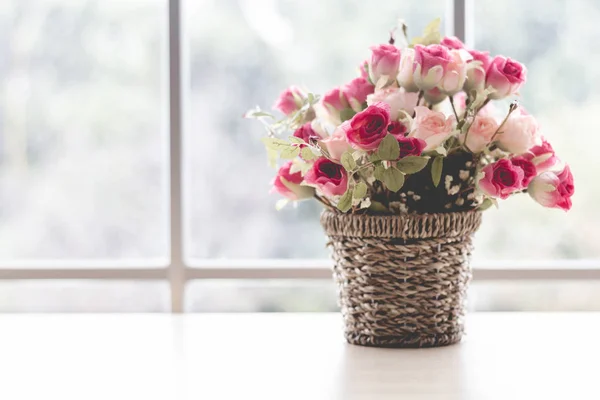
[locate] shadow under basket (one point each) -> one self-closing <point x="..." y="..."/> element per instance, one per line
<point x="402" y="280"/>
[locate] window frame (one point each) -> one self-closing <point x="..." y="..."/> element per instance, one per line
<point x="178" y="271"/>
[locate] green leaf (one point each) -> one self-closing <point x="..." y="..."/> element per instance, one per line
<point x="281" y="203"/>
<point x="378" y="172"/>
<point x="289" y="152"/>
<point x="389" y="149"/>
<point x="393" y="179"/>
<point x="272" y="157"/>
<point x="297" y="140"/>
<point x="360" y="190"/>
<point x="378" y="207"/>
<point x="348" y="161"/>
<point x="487" y="203"/>
<point x="307" y="154"/>
<point x="374" y="157"/>
<point x="276" y="143"/>
<point x="436" y="170"/>
<point x="345" y="202"/>
<point x="412" y="164"/>
<point x="346" y="114"/>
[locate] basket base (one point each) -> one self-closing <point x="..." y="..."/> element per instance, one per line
<point x="407" y="341"/>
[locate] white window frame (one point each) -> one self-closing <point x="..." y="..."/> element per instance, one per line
<point x="178" y="272"/>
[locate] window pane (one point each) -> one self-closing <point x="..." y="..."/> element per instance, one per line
<point x="83" y="296"/>
<point x="554" y="40"/>
<point x="83" y="107"/>
<point x="243" y="53"/>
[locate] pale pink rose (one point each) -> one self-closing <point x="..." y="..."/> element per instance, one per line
<point x="480" y="133"/>
<point x="385" y="59"/>
<point x="501" y="179"/>
<point x="368" y="128"/>
<point x="455" y="73"/>
<point x="476" y="70"/>
<point x="327" y="176"/>
<point x="337" y="144"/>
<point x="520" y="133"/>
<point x="406" y="70"/>
<point x="542" y="156"/>
<point x="334" y="102"/>
<point x="431" y="126"/>
<point x="290" y="100"/>
<point x="552" y="189"/>
<point x="430" y="65"/>
<point x="434" y="96"/>
<point x="452" y="43"/>
<point x="289" y="185"/>
<point x="506" y="76"/>
<point x="397" y="98"/>
<point x="356" y="92"/>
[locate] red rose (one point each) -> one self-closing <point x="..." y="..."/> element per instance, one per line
<point x="501" y="179"/>
<point x="397" y="129"/>
<point x="368" y="128"/>
<point x="529" y="170"/>
<point x="411" y="146"/>
<point x="327" y="176"/>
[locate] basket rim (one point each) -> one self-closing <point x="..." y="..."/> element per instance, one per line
<point x="403" y="226"/>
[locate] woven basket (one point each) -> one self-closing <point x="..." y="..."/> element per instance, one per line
<point x="402" y="280"/>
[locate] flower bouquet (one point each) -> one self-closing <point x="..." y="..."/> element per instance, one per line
<point x="404" y="158"/>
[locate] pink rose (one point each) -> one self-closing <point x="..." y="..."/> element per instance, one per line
<point x="356" y="92"/>
<point x="455" y="73"/>
<point x="430" y="65"/>
<point x="476" y="70"/>
<point x="290" y="100"/>
<point x="385" y="59"/>
<point x="542" y="156"/>
<point x="405" y="71"/>
<point x="362" y="68"/>
<point x="306" y="133"/>
<point x="336" y="144"/>
<point x="334" y="101"/>
<point x="434" y="96"/>
<point x="397" y="98"/>
<point x="452" y="42"/>
<point x="289" y="185"/>
<point x="431" y="126"/>
<point x="480" y="133"/>
<point x="520" y="133"/>
<point x="501" y="179"/>
<point x="506" y="76"/>
<point x="397" y="129"/>
<point x="553" y="190"/>
<point x="410" y="146"/>
<point x="529" y="170"/>
<point x="368" y="128"/>
<point x="327" y="176"/>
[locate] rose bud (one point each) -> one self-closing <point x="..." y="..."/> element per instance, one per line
<point x="289" y="185"/>
<point x="397" y="129"/>
<point x="500" y="179"/>
<point x="476" y="70"/>
<point x="480" y="133"/>
<point x="405" y="71"/>
<point x="506" y="76"/>
<point x="362" y="69"/>
<point x="385" y="59"/>
<point x="368" y="128"/>
<point x="455" y="73"/>
<point x="430" y="65"/>
<point x="337" y="144"/>
<point x="290" y="100"/>
<point x="410" y="146"/>
<point x="306" y="133"/>
<point x="434" y="96"/>
<point x="356" y="92"/>
<point x="328" y="177"/>
<point x="553" y="190"/>
<point x="529" y="170"/>
<point x="431" y="126"/>
<point x="334" y="101"/>
<point x="397" y="98"/>
<point x="452" y="43"/>
<point x="520" y="133"/>
<point x="542" y="156"/>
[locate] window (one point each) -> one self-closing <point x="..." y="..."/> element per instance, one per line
<point x="119" y="120"/>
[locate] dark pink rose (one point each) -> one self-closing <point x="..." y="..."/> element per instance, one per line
<point x="529" y="170"/>
<point x="506" y="76"/>
<point x="385" y="59"/>
<point x="397" y="129"/>
<point x="356" y="92"/>
<point x="327" y="176"/>
<point x="501" y="179"/>
<point x="289" y="185"/>
<point x="476" y="74"/>
<point x="542" y="156"/>
<point x="368" y="128"/>
<point x="553" y="190"/>
<point x="452" y="42"/>
<point x="430" y="65"/>
<point x="290" y="100"/>
<point x="306" y="133"/>
<point x="411" y="146"/>
<point x="335" y="100"/>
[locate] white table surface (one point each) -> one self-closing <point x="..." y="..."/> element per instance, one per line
<point x="291" y="356"/>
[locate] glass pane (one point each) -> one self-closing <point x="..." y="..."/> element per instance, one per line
<point x="83" y="296"/>
<point x="320" y="296"/>
<point x="554" y="40"/>
<point x="243" y="53"/>
<point x="83" y="108"/>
